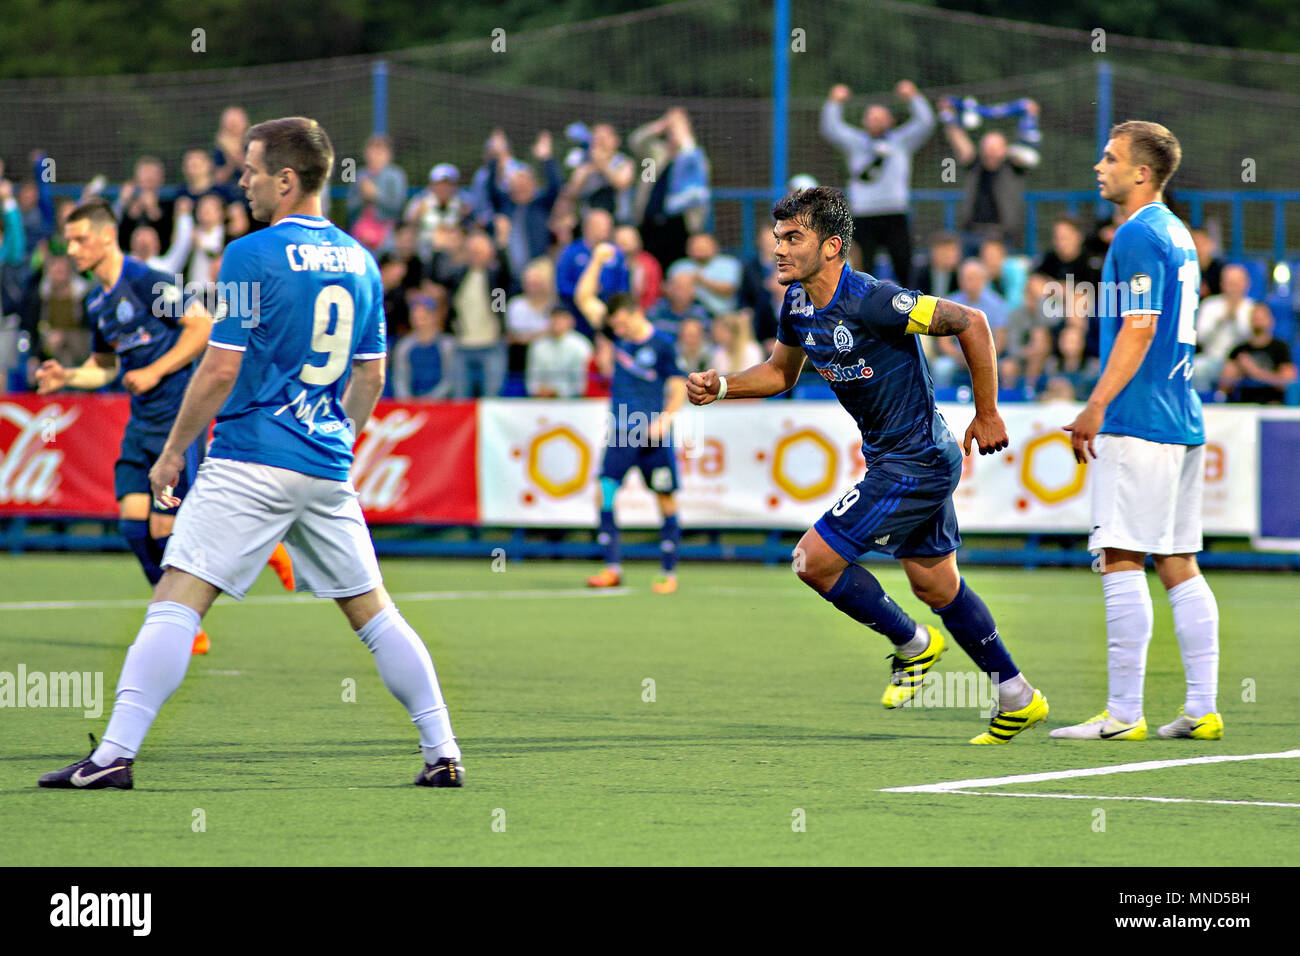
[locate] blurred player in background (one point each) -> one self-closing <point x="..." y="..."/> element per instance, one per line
<point x="1142" y="427"/>
<point x="860" y="334"/>
<point x="640" y="423"/>
<point x="291" y="373"/>
<point x="139" y="323"/>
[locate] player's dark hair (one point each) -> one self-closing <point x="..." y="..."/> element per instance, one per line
<point x="297" y="143"/>
<point x="822" y="209"/>
<point x="97" y="211"/>
<point x="622" y="301"/>
<point x="1151" y="144"/>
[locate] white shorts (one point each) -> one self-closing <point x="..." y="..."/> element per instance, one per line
<point x="237" y="512"/>
<point x="1146" y="496"/>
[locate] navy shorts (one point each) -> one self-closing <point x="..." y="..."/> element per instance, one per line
<point x="900" y="508"/>
<point x="658" y="465"/>
<point x="140" y="449"/>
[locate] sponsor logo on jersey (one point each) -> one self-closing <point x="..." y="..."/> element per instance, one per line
<point x="843" y="339"/>
<point x="808" y="339"/>
<point x="847" y="373"/>
<point x="125" y="310"/>
<point x="904" y="302"/>
<point x="883" y="541"/>
<point x="133" y="340"/>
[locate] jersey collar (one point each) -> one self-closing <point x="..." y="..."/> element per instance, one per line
<point x="311" y="222"/>
<point x="836" y="297"/>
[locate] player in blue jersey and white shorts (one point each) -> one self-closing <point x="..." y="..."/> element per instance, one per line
<point x="1143" y="432"/>
<point x="649" y="388"/>
<point x="294" y="367"/>
<point x="860" y="334"/>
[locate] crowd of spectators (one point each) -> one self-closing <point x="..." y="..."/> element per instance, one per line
<point x="479" y="271"/>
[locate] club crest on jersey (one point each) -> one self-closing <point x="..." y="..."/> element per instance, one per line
<point x="125" y="310"/>
<point x="904" y="302"/>
<point x="843" y="339"/>
<point x="645" y="356"/>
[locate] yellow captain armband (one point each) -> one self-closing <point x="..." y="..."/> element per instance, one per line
<point x="919" y="316"/>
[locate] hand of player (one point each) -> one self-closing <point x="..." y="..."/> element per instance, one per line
<point x="140" y="380"/>
<point x="164" y="476"/>
<point x="50" y="377"/>
<point x="839" y="93"/>
<point x="542" y="148"/>
<point x="702" y="387"/>
<point x="1031" y="107"/>
<point x="989" y="432"/>
<point x="184" y="206"/>
<point x="1084" y="430"/>
<point x="905" y="89"/>
<point x="604" y="252"/>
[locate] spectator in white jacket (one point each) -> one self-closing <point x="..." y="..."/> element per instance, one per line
<point x="557" y="362"/>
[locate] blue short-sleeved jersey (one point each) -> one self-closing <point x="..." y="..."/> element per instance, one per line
<point x="861" y="344"/>
<point x="139" y="320"/>
<point x="641" y="370"/>
<point x="1151" y="268"/>
<point x="301" y="299"/>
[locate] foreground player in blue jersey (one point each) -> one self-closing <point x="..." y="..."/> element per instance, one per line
<point x="1142" y="427"/>
<point x="860" y="335"/>
<point x="648" y="390"/>
<point x="294" y="367"/>
<point x="140" y="324"/>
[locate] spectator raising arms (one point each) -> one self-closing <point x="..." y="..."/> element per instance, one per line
<point x="677" y="201"/>
<point x="879" y="158"/>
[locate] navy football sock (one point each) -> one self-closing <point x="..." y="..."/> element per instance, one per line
<point x="859" y="595"/>
<point x="609" y="538"/>
<point x="972" y="626"/>
<point x="157" y="547"/>
<point x="670" y="538"/>
<point x="137" y="538"/>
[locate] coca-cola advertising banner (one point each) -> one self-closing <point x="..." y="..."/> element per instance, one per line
<point x="414" y="462"/>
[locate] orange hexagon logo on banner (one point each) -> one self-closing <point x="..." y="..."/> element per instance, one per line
<point x="1046" y="494"/>
<point x="559" y="486"/>
<point x="817" y="488"/>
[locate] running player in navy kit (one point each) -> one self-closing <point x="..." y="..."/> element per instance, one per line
<point x="860" y="335"/>
<point x="139" y="324"/>
<point x="291" y="374"/>
<point x="649" y="388"/>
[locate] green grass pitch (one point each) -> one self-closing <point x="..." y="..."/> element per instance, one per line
<point x="764" y="743"/>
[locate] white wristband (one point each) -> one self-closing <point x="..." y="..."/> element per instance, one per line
<point x="722" y="388"/>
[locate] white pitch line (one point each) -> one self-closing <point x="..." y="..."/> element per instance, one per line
<point x="1085" y="772"/>
<point x="307" y="598"/>
<point x="1086" y="796"/>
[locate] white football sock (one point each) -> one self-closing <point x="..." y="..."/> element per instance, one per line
<point x="919" y="642"/>
<point x="154" y="667"/>
<point x="1129" y="619"/>
<point x="1196" y="623"/>
<point x="1015" y="693"/>
<point x="407" y="671"/>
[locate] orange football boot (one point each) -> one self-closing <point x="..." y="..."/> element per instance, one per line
<point x="281" y="564"/>
<point x="609" y="578"/>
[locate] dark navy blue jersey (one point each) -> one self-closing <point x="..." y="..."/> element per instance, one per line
<point x="864" y="343"/>
<point x="641" y="373"/>
<point x="139" y="319"/>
